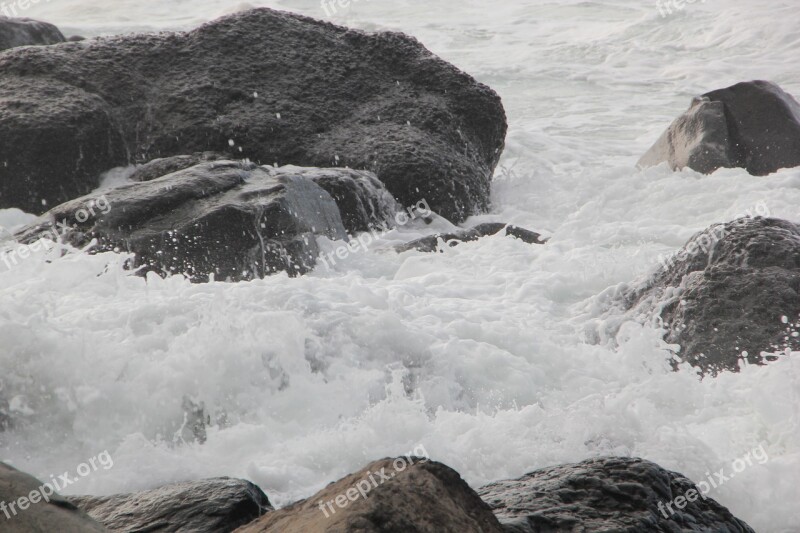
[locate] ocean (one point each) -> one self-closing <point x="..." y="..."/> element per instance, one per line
<point x="497" y="356"/>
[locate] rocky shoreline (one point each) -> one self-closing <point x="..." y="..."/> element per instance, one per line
<point x="397" y="495"/>
<point x="220" y="185"/>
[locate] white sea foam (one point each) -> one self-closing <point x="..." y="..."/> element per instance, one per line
<point x="478" y="353"/>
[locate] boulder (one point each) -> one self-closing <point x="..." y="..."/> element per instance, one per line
<point x="753" y="125"/>
<point x="26" y="32"/>
<point x="273" y="87"/>
<point x="730" y="293"/>
<point x="27" y="504"/>
<point x="431" y="243"/>
<point x="230" y="219"/>
<point x="403" y="495"/>
<point x="217" y="505"/>
<point x="619" y="494"/>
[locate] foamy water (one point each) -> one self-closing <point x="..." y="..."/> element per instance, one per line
<point x="479" y="353"/>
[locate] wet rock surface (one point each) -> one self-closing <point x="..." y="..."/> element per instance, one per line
<point x="753" y="125"/>
<point x="273" y="87"/>
<point x="36" y="513"/>
<point x="230" y="219"/>
<point x="218" y="505"/>
<point x="422" y="497"/>
<point x="617" y="494"/>
<point x="16" y="32"/>
<point x="732" y="292"/>
<point x="433" y="243"/>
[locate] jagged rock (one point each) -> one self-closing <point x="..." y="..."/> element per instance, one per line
<point x="724" y="296"/>
<point x="617" y="494"/>
<point x="25" y="32"/>
<point x="431" y="242"/>
<point x="233" y="220"/>
<point x="273" y="87"/>
<point x="754" y="125"/>
<point x="42" y="508"/>
<point x="421" y="497"/>
<point x="217" y="505"/>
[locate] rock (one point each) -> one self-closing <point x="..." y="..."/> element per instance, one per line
<point x="725" y="293"/>
<point x="167" y="165"/>
<point x="431" y="243"/>
<point x="26" y="32"/>
<point x="51" y="512"/>
<point x="269" y="86"/>
<point x="753" y="125"/>
<point x="421" y="497"/>
<point x="75" y="38"/>
<point x="233" y="220"/>
<point x="364" y="203"/>
<point x="620" y="494"/>
<point x="217" y="505"/>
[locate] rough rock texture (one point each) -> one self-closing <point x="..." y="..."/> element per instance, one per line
<point x="618" y="494"/>
<point x="56" y="515"/>
<point x="265" y="85"/>
<point x="234" y="220"/>
<point x="753" y="125"/>
<point x="425" y="497"/>
<point x="216" y="505"/>
<point x="431" y="242"/>
<point x="726" y="292"/>
<point x="24" y="32"/>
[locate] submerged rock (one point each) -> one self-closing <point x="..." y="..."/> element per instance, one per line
<point x="28" y="505"/>
<point x="218" y="505"/>
<point x="227" y="219"/>
<point x="16" y="32"/>
<point x="753" y="125"/>
<point x="431" y="243"/>
<point x="273" y="87"/>
<point x="617" y="494"/>
<point x="403" y="495"/>
<point x="732" y="292"/>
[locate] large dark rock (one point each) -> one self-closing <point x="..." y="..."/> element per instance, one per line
<point x="42" y="509"/>
<point x="726" y="294"/>
<point x="387" y="497"/>
<point x="431" y="243"/>
<point x="233" y="220"/>
<point x="265" y="85"/>
<point x="218" y="505"/>
<point x="618" y="494"/>
<point x="753" y="125"/>
<point x="25" y="32"/>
